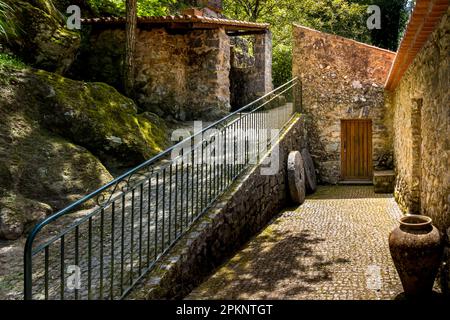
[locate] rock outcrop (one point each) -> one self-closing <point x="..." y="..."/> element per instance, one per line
<point x="53" y="131"/>
<point x="97" y="117"/>
<point x="43" y="40"/>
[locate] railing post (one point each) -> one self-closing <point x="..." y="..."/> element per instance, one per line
<point x="27" y="266"/>
<point x="297" y="93"/>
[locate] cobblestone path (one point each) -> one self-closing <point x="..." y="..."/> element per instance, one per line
<point x="334" y="246"/>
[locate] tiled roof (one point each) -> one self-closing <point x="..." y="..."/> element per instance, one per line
<point x="190" y="20"/>
<point x="425" y="16"/>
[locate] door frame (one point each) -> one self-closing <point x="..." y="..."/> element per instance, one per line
<point x="369" y="151"/>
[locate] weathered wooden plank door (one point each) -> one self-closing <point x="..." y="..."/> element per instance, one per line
<point x="356" y="149"/>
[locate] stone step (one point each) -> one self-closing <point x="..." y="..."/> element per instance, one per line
<point x="383" y="181"/>
<point x="355" y="182"/>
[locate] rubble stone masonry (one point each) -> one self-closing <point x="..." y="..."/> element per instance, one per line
<point x="421" y="120"/>
<point x="342" y="79"/>
<point x="178" y="75"/>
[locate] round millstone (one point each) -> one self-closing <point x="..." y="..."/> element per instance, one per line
<point x="310" y="172"/>
<point x="296" y="178"/>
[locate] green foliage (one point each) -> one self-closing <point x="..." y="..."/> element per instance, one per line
<point x="7" y="25"/>
<point x="346" y="18"/>
<point x="157" y="7"/>
<point x="8" y="62"/>
<point x="338" y="17"/>
<point x="281" y="67"/>
<point x="11" y="61"/>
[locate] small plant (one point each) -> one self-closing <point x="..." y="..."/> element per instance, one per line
<point x="8" y="62"/>
<point x="11" y="61"/>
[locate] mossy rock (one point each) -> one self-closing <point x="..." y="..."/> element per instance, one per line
<point x="99" y="118"/>
<point x="46" y="173"/>
<point x="53" y="134"/>
<point x="18" y="214"/>
<point x="43" y="40"/>
<point x="39" y="172"/>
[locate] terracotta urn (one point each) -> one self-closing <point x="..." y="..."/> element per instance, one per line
<point x="416" y="249"/>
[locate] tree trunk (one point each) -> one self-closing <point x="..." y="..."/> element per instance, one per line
<point x="128" y="74"/>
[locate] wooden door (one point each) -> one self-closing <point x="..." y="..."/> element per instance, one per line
<point x="356" y="149"/>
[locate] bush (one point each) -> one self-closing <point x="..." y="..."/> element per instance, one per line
<point x="281" y="65"/>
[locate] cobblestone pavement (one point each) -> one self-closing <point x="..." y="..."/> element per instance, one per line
<point x="334" y="246"/>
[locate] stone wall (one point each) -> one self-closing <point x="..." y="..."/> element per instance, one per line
<point x="179" y="75"/>
<point x="342" y="79"/>
<point x="421" y="119"/>
<point x="249" y="205"/>
<point x="185" y="76"/>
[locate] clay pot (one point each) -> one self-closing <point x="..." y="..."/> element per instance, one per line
<point x="416" y="249"/>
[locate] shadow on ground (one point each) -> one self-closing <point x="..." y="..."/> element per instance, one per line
<point x="280" y="258"/>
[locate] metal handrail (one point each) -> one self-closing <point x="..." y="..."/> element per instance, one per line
<point x="126" y="178"/>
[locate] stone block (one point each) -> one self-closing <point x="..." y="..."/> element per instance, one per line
<point x="384" y="181"/>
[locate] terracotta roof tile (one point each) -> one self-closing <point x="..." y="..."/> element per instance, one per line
<point x="219" y="22"/>
<point x="424" y="19"/>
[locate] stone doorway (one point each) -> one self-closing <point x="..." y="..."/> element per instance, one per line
<point x="250" y="66"/>
<point x="356" y="150"/>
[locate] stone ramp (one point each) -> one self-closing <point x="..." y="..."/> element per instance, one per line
<point x="334" y="246"/>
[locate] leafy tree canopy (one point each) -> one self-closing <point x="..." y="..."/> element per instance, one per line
<point x="144" y="7"/>
<point x="346" y="18"/>
<point x="394" y="16"/>
<point x="342" y="17"/>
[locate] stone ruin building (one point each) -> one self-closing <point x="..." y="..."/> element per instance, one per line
<point x="189" y="66"/>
